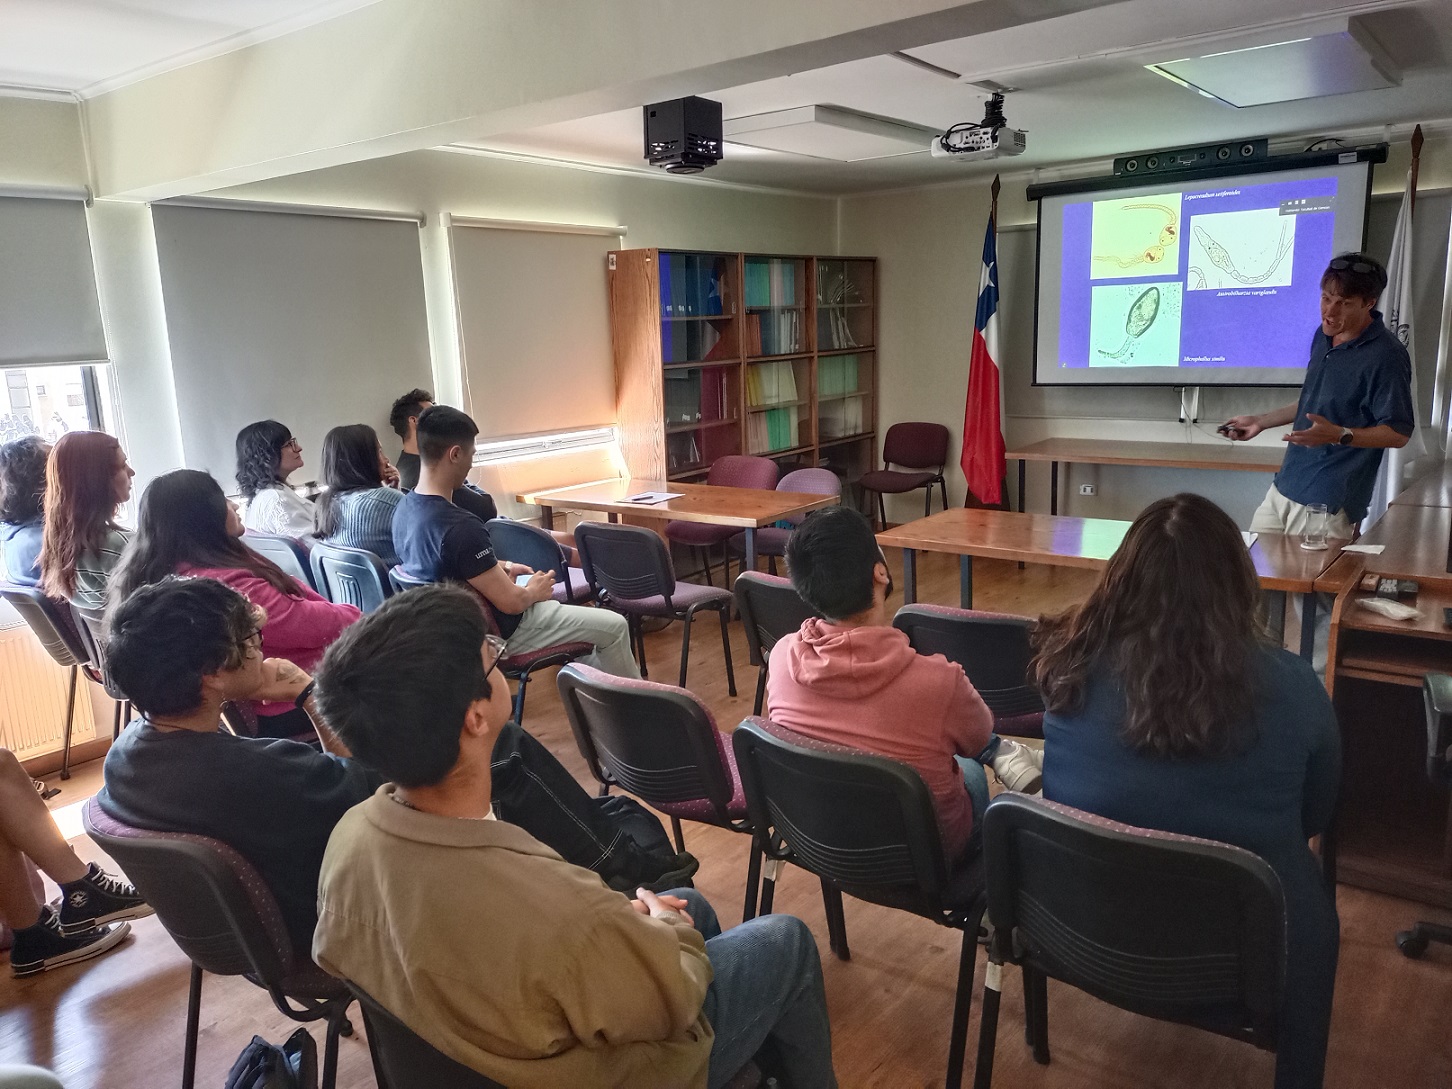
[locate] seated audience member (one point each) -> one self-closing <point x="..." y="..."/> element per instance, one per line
<point x="403" y="418"/>
<point x="356" y="507"/>
<point x="267" y="454"/>
<point x="855" y="680"/>
<point x="437" y="541"/>
<point x="22" y="507"/>
<point x="1169" y="708"/>
<point x="180" y="648"/>
<point x="187" y="526"/>
<point x="86" y="480"/>
<point x="569" y="983"/>
<point x="46" y="937"/>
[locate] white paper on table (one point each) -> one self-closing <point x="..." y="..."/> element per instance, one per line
<point x="1370" y="550"/>
<point x="652" y="497"/>
<point x="1248" y="537"/>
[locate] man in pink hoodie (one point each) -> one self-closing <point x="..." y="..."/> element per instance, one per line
<point x="854" y="679"/>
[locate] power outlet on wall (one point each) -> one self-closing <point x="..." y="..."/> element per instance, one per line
<point x="1086" y="489"/>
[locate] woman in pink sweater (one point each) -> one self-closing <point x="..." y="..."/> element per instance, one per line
<point x="187" y="526"/>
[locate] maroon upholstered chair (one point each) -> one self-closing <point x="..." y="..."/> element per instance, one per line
<point x="662" y="744"/>
<point x="916" y="446"/>
<point x="770" y="609"/>
<point x="225" y="919"/>
<point x="771" y="541"/>
<point x="1168" y="926"/>
<point x="631" y="567"/>
<point x="866" y="826"/>
<point x="731" y="471"/>
<point x="993" y="649"/>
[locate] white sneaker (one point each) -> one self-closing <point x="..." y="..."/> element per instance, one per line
<point x="1018" y="767"/>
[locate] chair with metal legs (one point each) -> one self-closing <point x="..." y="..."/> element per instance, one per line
<point x="55" y="626"/>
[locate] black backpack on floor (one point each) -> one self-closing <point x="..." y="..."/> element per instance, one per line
<point x="261" y="1065"/>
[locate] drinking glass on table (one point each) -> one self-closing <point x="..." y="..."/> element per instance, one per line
<point x="1314" y="538"/>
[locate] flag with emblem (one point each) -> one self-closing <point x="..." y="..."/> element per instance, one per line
<point x="983" y="461"/>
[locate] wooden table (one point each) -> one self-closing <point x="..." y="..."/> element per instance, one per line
<point x="747" y="508"/>
<point x="1059" y="541"/>
<point x="1433" y="489"/>
<point x="1173" y="455"/>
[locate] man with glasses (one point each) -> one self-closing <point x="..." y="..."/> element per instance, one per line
<point x="183" y="647"/>
<point x="1355" y="403"/>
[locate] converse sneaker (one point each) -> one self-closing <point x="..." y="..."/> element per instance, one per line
<point x="1018" y="767"/>
<point x="98" y="898"/>
<point x="41" y="947"/>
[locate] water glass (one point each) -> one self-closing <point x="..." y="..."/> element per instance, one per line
<point x="1314" y="539"/>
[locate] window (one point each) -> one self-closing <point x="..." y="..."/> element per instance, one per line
<point x="49" y="401"/>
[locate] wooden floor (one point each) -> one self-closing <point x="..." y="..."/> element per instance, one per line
<point x="117" y="1022"/>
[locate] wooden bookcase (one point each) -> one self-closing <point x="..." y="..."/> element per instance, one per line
<point x="743" y="353"/>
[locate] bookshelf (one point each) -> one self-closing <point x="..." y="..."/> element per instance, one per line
<point x="739" y="353"/>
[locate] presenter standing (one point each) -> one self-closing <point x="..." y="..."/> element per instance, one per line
<point x="1355" y="403"/>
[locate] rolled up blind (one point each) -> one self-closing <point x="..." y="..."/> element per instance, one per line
<point x="48" y="308"/>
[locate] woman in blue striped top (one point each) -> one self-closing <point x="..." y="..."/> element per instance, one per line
<point x="356" y="507"/>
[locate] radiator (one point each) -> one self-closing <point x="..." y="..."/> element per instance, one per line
<point x="33" y="696"/>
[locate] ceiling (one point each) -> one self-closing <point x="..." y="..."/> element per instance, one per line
<point x="87" y="47"/>
<point x="1084" y="93"/>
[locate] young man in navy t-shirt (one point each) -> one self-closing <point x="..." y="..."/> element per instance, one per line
<point x="437" y="541"/>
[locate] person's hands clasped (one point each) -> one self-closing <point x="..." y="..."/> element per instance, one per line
<point x="1241" y="428"/>
<point x="281" y="681"/>
<point x="1322" y="432"/>
<point x="661" y="907"/>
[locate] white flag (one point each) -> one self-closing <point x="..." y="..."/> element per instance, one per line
<point x="1396" y="307"/>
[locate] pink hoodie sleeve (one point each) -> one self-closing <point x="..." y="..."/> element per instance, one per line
<point x="970" y="722"/>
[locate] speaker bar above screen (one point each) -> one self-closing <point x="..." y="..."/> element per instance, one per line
<point x="1183" y="279"/>
<point x="1192" y="158"/>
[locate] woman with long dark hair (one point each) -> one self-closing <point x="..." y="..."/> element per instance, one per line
<point x="356" y="508"/>
<point x="22" y="507"/>
<point x="1168" y="708"/>
<point x="187" y="526"/>
<point x="267" y="454"/>
<point x="86" y="480"/>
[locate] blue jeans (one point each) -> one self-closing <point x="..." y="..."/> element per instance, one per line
<point x="767" y="983"/>
<point x="975" y="780"/>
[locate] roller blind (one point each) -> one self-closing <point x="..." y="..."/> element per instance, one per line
<point x="48" y="307"/>
<point x="534" y="319"/>
<point x="312" y="320"/>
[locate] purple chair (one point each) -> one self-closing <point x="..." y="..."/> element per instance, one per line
<point x="918" y="446"/>
<point x="770" y="608"/>
<point x="731" y="471"/>
<point x="1167" y="926"/>
<point x="662" y="744"/>
<point x="993" y="649"/>
<point x="771" y="541"/>
<point x="631" y="565"/>
<point x="219" y="912"/>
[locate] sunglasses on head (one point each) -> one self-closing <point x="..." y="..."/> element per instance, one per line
<point x="1342" y="263"/>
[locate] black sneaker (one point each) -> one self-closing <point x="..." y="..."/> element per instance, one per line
<point x="41" y="947"/>
<point x="98" y="898"/>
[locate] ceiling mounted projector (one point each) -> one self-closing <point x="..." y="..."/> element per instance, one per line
<point x="987" y="139"/>
<point x="683" y="136"/>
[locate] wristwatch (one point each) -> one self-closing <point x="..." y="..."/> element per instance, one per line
<point x="1346" y="436"/>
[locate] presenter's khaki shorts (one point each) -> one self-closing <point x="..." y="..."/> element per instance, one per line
<point x="1277" y="514"/>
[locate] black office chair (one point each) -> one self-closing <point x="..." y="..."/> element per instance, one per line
<point x="217" y="909"/>
<point x="520" y="542"/>
<point x="865" y="825"/>
<point x="54" y="625"/>
<point x="401" y="580"/>
<point x="1437" y="696"/>
<point x="1171" y="927"/>
<point x="770" y="608"/>
<point x="402" y="1059"/>
<point x="994" y="651"/>
<point x="288" y="553"/>
<point x="91" y="624"/>
<point x="349" y="576"/>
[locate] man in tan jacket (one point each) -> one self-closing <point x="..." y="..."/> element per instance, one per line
<point x="483" y="940"/>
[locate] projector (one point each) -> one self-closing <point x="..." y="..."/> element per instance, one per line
<point x="988" y="139"/>
<point x="683" y="136"/>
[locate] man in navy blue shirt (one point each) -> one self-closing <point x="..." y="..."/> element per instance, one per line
<point x="1355" y="403"/>
<point x="438" y="541"/>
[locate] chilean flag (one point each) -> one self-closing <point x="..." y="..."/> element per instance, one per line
<point x="983" y="462"/>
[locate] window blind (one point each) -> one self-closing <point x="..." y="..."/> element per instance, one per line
<point x="312" y="320"/>
<point x="48" y="308"/>
<point x="534" y="320"/>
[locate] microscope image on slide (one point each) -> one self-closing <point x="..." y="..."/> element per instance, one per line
<point x="1135" y="325"/>
<point x="1137" y="236"/>
<point x="1253" y="248"/>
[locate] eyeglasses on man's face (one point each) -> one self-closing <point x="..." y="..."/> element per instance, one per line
<point x="494" y="648"/>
